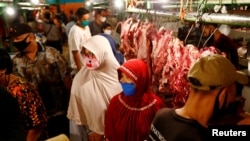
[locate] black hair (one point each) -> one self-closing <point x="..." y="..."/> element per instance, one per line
<point x="105" y="25"/>
<point x="47" y="15"/>
<point x="81" y="11"/>
<point x="5" y="61"/>
<point x="99" y="10"/>
<point x="212" y="24"/>
<point x="239" y="89"/>
<point x="72" y="18"/>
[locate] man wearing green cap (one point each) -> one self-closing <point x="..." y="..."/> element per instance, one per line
<point x="212" y="90"/>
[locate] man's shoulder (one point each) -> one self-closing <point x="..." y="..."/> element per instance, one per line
<point x="228" y="41"/>
<point x="50" y="50"/>
<point x="18" y="55"/>
<point x="225" y="38"/>
<point x="70" y="24"/>
<point x="93" y="23"/>
<point x="164" y="111"/>
<point x="75" y="28"/>
<point x="46" y="24"/>
<point x="162" y="114"/>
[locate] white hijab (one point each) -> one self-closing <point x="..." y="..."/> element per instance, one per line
<point x="93" y="89"/>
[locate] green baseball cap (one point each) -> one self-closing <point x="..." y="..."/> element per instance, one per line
<point x="212" y="71"/>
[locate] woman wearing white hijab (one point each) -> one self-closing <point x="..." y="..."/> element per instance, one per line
<point x="93" y="86"/>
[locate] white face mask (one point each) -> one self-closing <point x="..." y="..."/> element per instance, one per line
<point x="103" y="19"/>
<point x="107" y="31"/>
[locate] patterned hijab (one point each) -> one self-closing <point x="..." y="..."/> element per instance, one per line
<point x="92" y="89"/>
<point x="128" y="118"/>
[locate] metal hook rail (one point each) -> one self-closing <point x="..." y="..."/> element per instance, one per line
<point x="219" y="18"/>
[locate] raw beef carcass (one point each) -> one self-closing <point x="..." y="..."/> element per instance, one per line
<point x="128" y="30"/>
<point x="167" y="57"/>
<point x="136" y="38"/>
<point x="174" y="75"/>
<point x="159" y="55"/>
<point x="173" y="81"/>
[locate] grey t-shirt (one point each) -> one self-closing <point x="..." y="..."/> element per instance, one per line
<point x="51" y="31"/>
<point x="95" y="28"/>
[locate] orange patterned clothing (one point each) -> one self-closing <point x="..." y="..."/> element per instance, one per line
<point x="31" y="105"/>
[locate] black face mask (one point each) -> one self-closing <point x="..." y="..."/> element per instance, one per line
<point x="21" y="45"/>
<point x="218" y="112"/>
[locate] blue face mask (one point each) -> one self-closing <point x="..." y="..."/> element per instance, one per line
<point x="128" y="88"/>
<point x="85" y="23"/>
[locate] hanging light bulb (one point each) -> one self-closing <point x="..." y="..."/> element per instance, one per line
<point x="10" y="11"/>
<point x="35" y="2"/>
<point x="118" y="4"/>
<point x="88" y="3"/>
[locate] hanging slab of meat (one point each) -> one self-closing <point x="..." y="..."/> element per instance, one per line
<point x="174" y="74"/>
<point x="171" y="61"/>
<point x="211" y="50"/>
<point x="128" y="31"/>
<point x="160" y="55"/>
<point x="167" y="58"/>
<point x="136" y="38"/>
<point x="143" y="36"/>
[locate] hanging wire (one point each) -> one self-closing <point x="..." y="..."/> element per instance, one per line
<point x="188" y="34"/>
<point x="209" y="37"/>
<point x="199" y="10"/>
<point x="202" y="32"/>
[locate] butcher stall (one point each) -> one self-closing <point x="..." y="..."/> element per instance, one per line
<point x="167" y="36"/>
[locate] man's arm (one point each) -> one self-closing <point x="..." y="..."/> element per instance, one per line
<point x="77" y="59"/>
<point x="34" y="134"/>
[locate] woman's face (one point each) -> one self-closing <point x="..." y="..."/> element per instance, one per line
<point x="86" y="53"/>
<point x="125" y="79"/>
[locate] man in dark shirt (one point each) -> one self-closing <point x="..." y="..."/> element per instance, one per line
<point x="100" y="16"/>
<point x="222" y="42"/>
<point x="212" y="79"/>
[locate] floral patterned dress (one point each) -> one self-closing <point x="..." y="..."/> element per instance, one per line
<point x="31" y="105"/>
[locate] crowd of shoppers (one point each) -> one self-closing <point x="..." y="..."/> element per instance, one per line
<point x="97" y="95"/>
